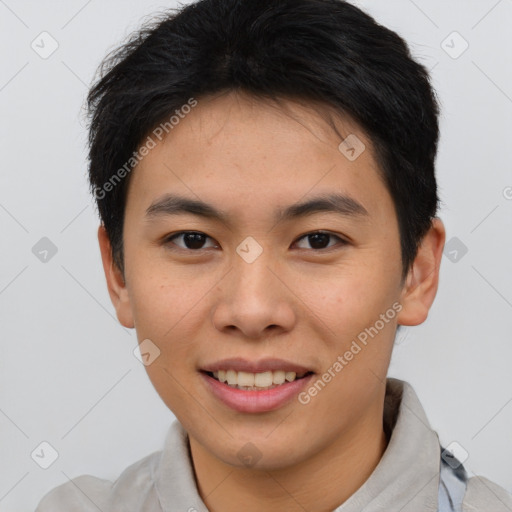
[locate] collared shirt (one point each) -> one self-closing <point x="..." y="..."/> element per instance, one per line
<point x="408" y="478"/>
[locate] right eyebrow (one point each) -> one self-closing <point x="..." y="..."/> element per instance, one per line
<point x="172" y="204"/>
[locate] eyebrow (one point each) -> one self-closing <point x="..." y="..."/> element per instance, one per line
<point x="172" y="204"/>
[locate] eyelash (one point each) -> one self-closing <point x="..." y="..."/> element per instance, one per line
<point x="168" y="240"/>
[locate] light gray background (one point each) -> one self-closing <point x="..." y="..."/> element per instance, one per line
<point x="67" y="372"/>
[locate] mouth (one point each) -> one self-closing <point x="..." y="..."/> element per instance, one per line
<point x="255" y="387"/>
<point x="263" y="381"/>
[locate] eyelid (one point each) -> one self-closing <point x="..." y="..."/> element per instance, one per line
<point x="168" y="239"/>
<point x="342" y="241"/>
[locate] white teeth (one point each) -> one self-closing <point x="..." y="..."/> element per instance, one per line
<point x="279" y="377"/>
<point x="232" y="377"/>
<point x="263" y="380"/>
<point x="245" y="379"/>
<point x="290" y="376"/>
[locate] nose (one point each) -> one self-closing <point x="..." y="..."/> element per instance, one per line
<point x="254" y="299"/>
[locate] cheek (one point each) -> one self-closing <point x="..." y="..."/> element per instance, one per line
<point x="162" y="298"/>
<point x="166" y="311"/>
<point x="155" y="307"/>
<point x="161" y="317"/>
<point x="353" y="298"/>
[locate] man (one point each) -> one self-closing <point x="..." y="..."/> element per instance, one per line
<point x="264" y="173"/>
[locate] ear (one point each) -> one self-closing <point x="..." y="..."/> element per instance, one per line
<point x="115" y="281"/>
<point x="422" y="279"/>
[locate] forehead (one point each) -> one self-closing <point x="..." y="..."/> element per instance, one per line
<point x="237" y="149"/>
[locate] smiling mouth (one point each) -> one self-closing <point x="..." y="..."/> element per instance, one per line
<point x="256" y="381"/>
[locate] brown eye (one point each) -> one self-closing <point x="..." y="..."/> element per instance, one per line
<point x="191" y="240"/>
<point x="319" y="240"/>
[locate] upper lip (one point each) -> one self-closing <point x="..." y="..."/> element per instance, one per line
<point x="263" y="365"/>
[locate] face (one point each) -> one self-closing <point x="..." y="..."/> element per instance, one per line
<point x="249" y="287"/>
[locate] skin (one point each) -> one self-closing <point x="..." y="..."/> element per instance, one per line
<point x="296" y="302"/>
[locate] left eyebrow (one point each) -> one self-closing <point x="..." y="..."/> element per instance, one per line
<point x="340" y="204"/>
<point x="172" y="204"/>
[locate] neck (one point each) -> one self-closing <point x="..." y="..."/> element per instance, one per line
<point x="321" y="483"/>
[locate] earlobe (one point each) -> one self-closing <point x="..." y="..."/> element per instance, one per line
<point x="115" y="281"/>
<point x="422" y="280"/>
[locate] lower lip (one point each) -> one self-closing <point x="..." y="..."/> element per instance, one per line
<point x="255" y="401"/>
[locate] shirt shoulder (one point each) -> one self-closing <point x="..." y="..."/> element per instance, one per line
<point x="83" y="494"/>
<point x="133" y="491"/>
<point x="483" y="495"/>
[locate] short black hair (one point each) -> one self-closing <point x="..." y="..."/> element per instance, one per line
<point x="326" y="51"/>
